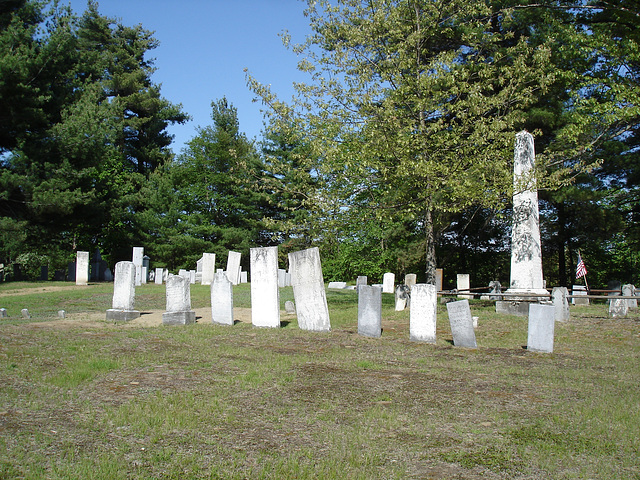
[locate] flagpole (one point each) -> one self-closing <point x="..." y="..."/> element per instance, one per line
<point x="586" y="284"/>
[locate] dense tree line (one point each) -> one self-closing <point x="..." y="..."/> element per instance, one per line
<point x="395" y="156"/>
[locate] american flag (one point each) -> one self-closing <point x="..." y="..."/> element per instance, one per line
<point x="581" y="269"/>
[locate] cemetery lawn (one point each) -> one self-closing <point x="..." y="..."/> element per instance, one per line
<point x="82" y="398"/>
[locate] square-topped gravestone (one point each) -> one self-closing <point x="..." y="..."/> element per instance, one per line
<point x="124" y="294"/>
<point x="370" y="311"/>
<point x="233" y="267"/>
<point x="422" y="316"/>
<point x="463" y="284"/>
<point x="221" y="300"/>
<point x="618" y="307"/>
<point x="388" y="282"/>
<point x="282" y="278"/>
<point x="158" y="277"/>
<point x="82" y="268"/>
<point x="308" y="290"/>
<point x="439" y="276"/>
<point x="208" y="268"/>
<point x="361" y="280"/>
<point x="461" y="323"/>
<point x="541" y="328"/>
<point x="579" y="290"/>
<point x="178" y="302"/>
<point x="410" y="280"/>
<point x="265" y="295"/>
<point x="560" y="297"/>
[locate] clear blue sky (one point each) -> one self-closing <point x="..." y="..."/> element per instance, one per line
<point x="205" y="45"/>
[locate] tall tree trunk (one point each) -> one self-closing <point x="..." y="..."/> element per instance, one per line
<point x="430" y="248"/>
<point x="562" y="261"/>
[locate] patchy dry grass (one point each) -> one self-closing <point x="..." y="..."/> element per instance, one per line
<point x="90" y="399"/>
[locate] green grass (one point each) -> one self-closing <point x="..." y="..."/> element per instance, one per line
<point x="96" y="400"/>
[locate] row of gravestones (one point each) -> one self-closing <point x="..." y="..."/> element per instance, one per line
<point x="311" y="303"/>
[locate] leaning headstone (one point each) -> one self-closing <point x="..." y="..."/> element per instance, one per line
<point x="461" y="324"/>
<point x="233" y="267"/>
<point x="463" y="284"/>
<point x="630" y="291"/>
<point x="422" y="317"/>
<point x="370" y="311"/>
<point x="208" y="268"/>
<point x="221" y="300"/>
<point x="579" y="290"/>
<point x="308" y="290"/>
<point x="410" y="280"/>
<point x="3" y="313"/>
<point x="618" y="307"/>
<point x="178" y="302"/>
<point x="560" y="299"/>
<point x="265" y="296"/>
<point x="289" y="307"/>
<point x="403" y="297"/>
<point x="25" y="313"/>
<point x="158" y="276"/>
<point x="541" y="328"/>
<point x="388" y="282"/>
<point x="82" y="268"/>
<point x="526" y="253"/>
<point x="124" y="293"/>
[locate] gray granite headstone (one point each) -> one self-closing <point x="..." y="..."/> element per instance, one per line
<point x="541" y="328"/>
<point x="82" y="268"/>
<point x="369" y="311"/>
<point x="422" y="316"/>
<point x="265" y="294"/>
<point x="178" y="302"/>
<point x="221" y="300"/>
<point x="461" y="324"/>
<point x="308" y="290"/>
<point x="124" y="292"/>
<point x="561" y="303"/>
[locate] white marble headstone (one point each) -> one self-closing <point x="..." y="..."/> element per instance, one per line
<point x="82" y="268"/>
<point x="370" y="311"/>
<point x="388" y="282"/>
<point x="308" y="290"/>
<point x="208" y="268"/>
<point x="541" y="328"/>
<point x="233" y="267"/>
<point x="265" y="296"/>
<point x="422" y="316"/>
<point x="221" y="300"/>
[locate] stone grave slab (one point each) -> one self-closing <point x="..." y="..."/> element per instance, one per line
<point x="461" y="324"/>
<point x="541" y="328"/>
<point x="370" y="311"/>
<point x="422" y="316"/>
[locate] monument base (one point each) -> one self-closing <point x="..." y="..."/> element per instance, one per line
<point x="122" y="315"/>
<point x="179" y="318"/>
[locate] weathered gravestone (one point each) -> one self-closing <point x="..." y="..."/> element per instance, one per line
<point x="208" y="268"/>
<point x="82" y="268"/>
<point x="388" y="282"/>
<point x="541" y="328"/>
<point x="410" y="280"/>
<point x="370" y="311"/>
<point x="308" y="290"/>
<point x="618" y="307"/>
<point x="124" y="293"/>
<point x="178" y="302"/>
<point x="422" y="317"/>
<point x="159" y="276"/>
<point x="137" y="259"/>
<point x="560" y="299"/>
<point x="361" y="280"/>
<point x="403" y="297"/>
<point x="580" y="290"/>
<point x="62" y="314"/>
<point x="3" y="313"/>
<point x="461" y="324"/>
<point x="463" y="284"/>
<point x="282" y="278"/>
<point x="439" y="274"/>
<point x="244" y="278"/>
<point x="265" y="295"/>
<point x="233" y="267"/>
<point x="290" y="307"/>
<point x="221" y="300"/>
<point x="25" y="312"/>
<point x="337" y="285"/>
<point x="630" y="291"/>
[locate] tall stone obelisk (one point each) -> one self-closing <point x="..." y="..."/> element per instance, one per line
<point x="526" y="251"/>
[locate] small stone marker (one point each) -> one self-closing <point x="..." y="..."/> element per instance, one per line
<point x="265" y="295"/>
<point x="403" y="297"/>
<point x="422" y="317"/>
<point x="244" y="278"/>
<point x="25" y="313"/>
<point x="308" y="290"/>
<point x="178" y="302"/>
<point x="561" y="303"/>
<point x="82" y="268"/>
<point x="370" y="311"/>
<point x="124" y="292"/>
<point x="3" y="313"/>
<point x="289" y="307"/>
<point x="541" y="328"/>
<point x="159" y="276"/>
<point x="62" y="314"/>
<point x="618" y="307"/>
<point x="221" y="300"/>
<point x="388" y="282"/>
<point x="208" y="268"/>
<point x="233" y="267"/>
<point x="461" y="324"/>
<point x="337" y="285"/>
